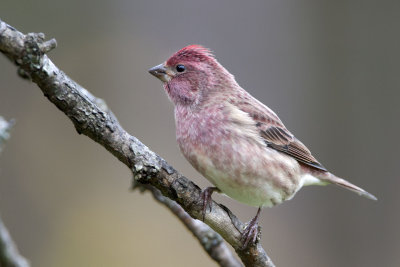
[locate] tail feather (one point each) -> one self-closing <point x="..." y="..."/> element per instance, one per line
<point x="345" y="184"/>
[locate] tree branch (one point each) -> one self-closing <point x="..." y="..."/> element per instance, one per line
<point x="28" y="52"/>
<point x="5" y="127"/>
<point x="210" y="240"/>
<point x="9" y="255"/>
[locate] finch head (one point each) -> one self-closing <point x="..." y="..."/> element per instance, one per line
<point x="191" y="74"/>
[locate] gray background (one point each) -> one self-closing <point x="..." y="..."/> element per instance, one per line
<point x="330" y="69"/>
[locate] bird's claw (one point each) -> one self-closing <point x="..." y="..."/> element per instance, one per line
<point x="207" y="200"/>
<point x="250" y="233"/>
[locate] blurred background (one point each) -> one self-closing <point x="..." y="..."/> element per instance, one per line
<point x="330" y="69"/>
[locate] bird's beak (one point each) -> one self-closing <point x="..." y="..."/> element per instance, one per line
<point x="160" y="72"/>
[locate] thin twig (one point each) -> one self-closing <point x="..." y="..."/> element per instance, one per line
<point x="9" y="255"/>
<point x="212" y="242"/>
<point x="28" y="52"/>
<point x="5" y="127"/>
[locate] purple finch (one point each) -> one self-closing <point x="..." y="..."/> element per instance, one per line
<point x="236" y="142"/>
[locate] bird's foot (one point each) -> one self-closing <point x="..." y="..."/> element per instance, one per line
<point x="251" y="231"/>
<point x="207" y="200"/>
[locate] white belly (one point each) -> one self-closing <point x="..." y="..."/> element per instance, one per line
<point x="266" y="180"/>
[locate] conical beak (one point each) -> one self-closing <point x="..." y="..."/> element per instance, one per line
<point x="160" y="72"/>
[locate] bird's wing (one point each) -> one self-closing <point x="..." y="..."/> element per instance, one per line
<point x="275" y="134"/>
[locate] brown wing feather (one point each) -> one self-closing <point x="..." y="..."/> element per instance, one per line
<point x="276" y="135"/>
<point x="292" y="147"/>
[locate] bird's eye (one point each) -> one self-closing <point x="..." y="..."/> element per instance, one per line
<point x="180" y="68"/>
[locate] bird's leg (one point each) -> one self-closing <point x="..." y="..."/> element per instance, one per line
<point x="206" y="196"/>
<point x="251" y="231"/>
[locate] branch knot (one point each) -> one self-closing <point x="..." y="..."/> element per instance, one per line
<point x="32" y="55"/>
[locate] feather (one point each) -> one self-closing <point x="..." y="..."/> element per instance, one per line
<point x="275" y="134"/>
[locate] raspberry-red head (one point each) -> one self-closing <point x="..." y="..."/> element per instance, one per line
<point x="191" y="53"/>
<point x="191" y="74"/>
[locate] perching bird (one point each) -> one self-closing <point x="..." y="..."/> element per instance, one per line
<point x="236" y="142"/>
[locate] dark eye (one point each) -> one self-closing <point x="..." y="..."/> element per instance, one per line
<point x="180" y="68"/>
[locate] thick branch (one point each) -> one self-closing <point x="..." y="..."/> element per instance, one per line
<point x="28" y="52"/>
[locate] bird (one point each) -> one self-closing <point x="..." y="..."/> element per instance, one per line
<point x="235" y="141"/>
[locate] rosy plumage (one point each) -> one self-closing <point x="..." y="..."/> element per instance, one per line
<point x="236" y="142"/>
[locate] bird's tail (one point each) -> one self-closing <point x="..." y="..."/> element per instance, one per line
<point x="330" y="178"/>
